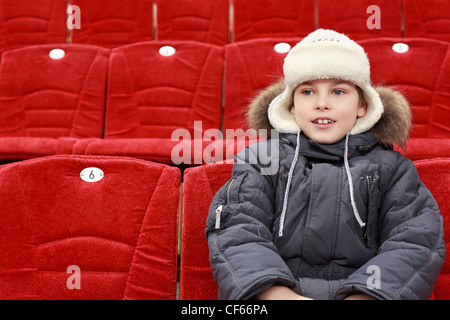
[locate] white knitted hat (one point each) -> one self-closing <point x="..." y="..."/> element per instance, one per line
<point x="325" y="54"/>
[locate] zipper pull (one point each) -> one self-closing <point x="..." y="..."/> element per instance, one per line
<point x="370" y="181"/>
<point x="218" y="214"/>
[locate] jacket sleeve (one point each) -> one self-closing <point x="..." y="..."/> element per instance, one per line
<point x="243" y="257"/>
<point x="412" y="248"/>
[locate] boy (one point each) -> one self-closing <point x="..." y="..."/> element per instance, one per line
<point x="345" y="217"/>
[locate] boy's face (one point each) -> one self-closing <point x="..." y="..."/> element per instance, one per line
<point x="326" y="110"/>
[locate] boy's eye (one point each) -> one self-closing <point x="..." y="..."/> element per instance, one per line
<point x="307" y="92"/>
<point x="338" y="92"/>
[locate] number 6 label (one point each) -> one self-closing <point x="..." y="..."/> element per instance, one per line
<point x="91" y="174"/>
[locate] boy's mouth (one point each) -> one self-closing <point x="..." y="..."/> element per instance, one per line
<point x="323" y="121"/>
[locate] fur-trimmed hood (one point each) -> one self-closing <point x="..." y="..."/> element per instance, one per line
<point x="392" y="128"/>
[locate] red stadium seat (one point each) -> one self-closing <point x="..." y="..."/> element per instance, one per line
<point x="419" y="71"/>
<point x="358" y="19"/>
<point x="49" y="103"/>
<point x="64" y="237"/>
<point x="268" y="19"/>
<point x="200" y="185"/>
<point x="28" y="22"/>
<point x="203" y="21"/>
<point x="427" y="18"/>
<point x="250" y="66"/>
<point x="111" y="23"/>
<point x="435" y="174"/>
<point x="246" y="73"/>
<point x="152" y="94"/>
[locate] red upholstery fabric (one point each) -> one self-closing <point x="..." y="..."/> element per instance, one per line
<point x="49" y="99"/>
<point x="150" y="95"/>
<point x="266" y="18"/>
<point x="426" y="148"/>
<point x="199" y="186"/>
<point x="427" y="18"/>
<point x="20" y="148"/>
<point x="435" y="174"/>
<point x="351" y="17"/>
<point x="28" y="22"/>
<point x="204" y="21"/>
<point x="420" y="74"/>
<point x="112" y="23"/>
<point x="120" y="231"/>
<point x="154" y="149"/>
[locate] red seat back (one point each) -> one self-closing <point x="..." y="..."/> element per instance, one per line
<point x="120" y="232"/>
<point x="28" y="22"/>
<point x="269" y="19"/>
<point x="361" y="19"/>
<point x="151" y="95"/>
<point x="435" y="174"/>
<point x="45" y="97"/>
<point x="427" y="18"/>
<point x="203" y="21"/>
<point x="111" y="23"/>
<point x="199" y="186"/>
<point x="420" y="74"/>
<point x="250" y="67"/>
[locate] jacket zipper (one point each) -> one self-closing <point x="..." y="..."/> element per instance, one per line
<point x="218" y="213"/>
<point x="370" y="183"/>
<point x="221" y="206"/>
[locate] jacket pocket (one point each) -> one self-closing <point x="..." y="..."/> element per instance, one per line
<point x="221" y="207"/>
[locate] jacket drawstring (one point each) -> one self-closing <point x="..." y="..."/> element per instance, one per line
<point x="291" y="173"/>
<point x="350" y="184"/>
<point x="288" y="185"/>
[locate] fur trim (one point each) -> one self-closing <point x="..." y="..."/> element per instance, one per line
<point x="396" y="120"/>
<point x="393" y="126"/>
<point x="258" y="110"/>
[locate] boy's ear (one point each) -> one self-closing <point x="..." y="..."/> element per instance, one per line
<point x="362" y="109"/>
<point x="292" y="110"/>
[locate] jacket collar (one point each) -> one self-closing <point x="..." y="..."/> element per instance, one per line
<point x="358" y="145"/>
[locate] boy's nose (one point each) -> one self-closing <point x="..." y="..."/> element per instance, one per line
<point x="322" y="103"/>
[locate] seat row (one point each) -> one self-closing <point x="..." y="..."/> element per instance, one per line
<point x="160" y="100"/>
<point x="92" y="227"/>
<point x="114" y="23"/>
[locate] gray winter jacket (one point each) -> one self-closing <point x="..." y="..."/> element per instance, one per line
<point x="316" y="246"/>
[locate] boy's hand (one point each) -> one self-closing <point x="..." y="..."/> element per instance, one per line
<point x="278" y="292"/>
<point x="360" y="296"/>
